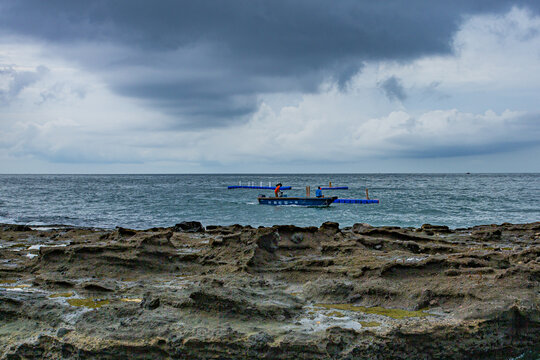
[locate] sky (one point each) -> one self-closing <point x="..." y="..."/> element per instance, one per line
<point x="277" y="86"/>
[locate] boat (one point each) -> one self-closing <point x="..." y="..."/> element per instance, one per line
<point x="297" y="201"/>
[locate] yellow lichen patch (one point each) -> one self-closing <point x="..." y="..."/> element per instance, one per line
<point x="131" y="300"/>
<point x="377" y="310"/>
<point x="369" y="323"/>
<point x="6" y="281"/>
<point x="128" y="279"/>
<point x="61" y="295"/>
<point x="91" y="303"/>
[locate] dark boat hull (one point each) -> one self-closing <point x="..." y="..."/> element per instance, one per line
<point x="297" y="201"/>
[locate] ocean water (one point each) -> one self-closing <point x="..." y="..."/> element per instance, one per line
<point x="144" y="201"/>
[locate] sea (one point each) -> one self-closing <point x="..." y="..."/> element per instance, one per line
<point x="146" y="201"/>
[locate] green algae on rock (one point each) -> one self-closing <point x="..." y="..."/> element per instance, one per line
<point x="91" y="303"/>
<point x="61" y="295"/>
<point x="376" y="310"/>
<point x="369" y="323"/>
<point x="336" y="314"/>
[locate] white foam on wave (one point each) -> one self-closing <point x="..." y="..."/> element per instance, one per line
<point x="6" y="220"/>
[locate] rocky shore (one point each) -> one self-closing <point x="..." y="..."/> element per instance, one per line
<point x="282" y="292"/>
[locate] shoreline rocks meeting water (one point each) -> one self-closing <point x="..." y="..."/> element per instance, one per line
<point x="281" y="292"/>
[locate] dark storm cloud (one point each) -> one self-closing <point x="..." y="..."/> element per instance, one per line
<point x="393" y="89"/>
<point x="207" y="61"/>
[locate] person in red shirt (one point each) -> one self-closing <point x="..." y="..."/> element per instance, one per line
<point x="276" y="190"/>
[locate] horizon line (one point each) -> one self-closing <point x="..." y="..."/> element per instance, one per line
<point x="287" y="173"/>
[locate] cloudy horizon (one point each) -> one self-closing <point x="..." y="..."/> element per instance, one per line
<point x="269" y="87"/>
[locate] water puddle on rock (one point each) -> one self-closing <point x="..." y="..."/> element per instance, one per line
<point x="18" y="247"/>
<point x="135" y="300"/>
<point x="39" y="246"/>
<point x="187" y="250"/>
<point x="320" y="317"/>
<point x="9" y="263"/>
<point x="322" y="320"/>
<point x="36" y="247"/>
<point x="183" y="276"/>
<point x="409" y="260"/>
<point x="21" y="287"/>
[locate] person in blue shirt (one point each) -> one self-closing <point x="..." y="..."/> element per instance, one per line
<point x="318" y="192"/>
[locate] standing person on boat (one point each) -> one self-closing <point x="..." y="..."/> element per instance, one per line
<point x="318" y="192"/>
<point x="276" y="190"/>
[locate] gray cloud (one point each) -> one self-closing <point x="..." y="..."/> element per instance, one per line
<point x="60" y="91"/>
<point x="445" y="151"/>
<point x="18" y="80"/>
<point x="249" y="47"/>
<point x="393" y="89"/>
<point x="522" y="132"/>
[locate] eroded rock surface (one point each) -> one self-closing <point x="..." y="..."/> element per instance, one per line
<point x="284" y="292"/>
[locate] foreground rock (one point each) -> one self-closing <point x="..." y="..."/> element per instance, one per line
<point x="283" y="292"/>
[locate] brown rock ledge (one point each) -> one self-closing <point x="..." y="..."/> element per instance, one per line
<point x="282" y="292"/>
